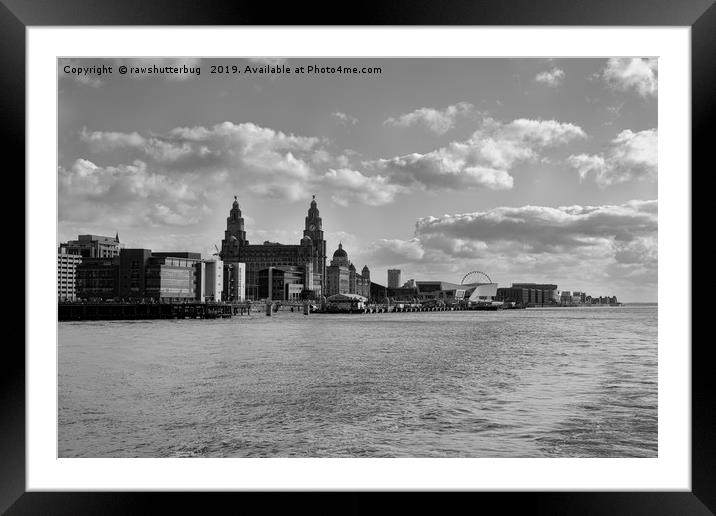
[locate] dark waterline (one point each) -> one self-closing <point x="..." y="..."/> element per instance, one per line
<point x="577" y="382"/>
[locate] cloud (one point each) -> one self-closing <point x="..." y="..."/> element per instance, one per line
<point x="482" y="161"/>
<point x="544" y="229"/>
<point x="350" y="186"/>
<point x="395" y="251"/>
<point x="129" y="195"/>
<point x="433" y="120"/>
<point x="553" y="77"/>
<point x="597" y="247"/>
<point x="285" y="166"/>
<point x="636" y="74"/>
<point x="631" y="156"/>
<point x="344" y="118"/>
<point x="266" y="162"/>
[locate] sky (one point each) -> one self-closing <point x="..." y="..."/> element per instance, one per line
<point x="530" y="170"/>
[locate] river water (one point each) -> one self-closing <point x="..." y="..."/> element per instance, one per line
<point x="559" y="382"/>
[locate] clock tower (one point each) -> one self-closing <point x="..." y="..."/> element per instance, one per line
<point x="314" y="230"/>
<point x="234" y="236"/>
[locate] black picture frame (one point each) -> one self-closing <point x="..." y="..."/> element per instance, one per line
<point x="16" y="15"/>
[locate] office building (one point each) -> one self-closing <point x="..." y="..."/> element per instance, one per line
<point x="94" y="246"/>
<point x="67" y="274"/>
<point x="281" y="283"/>
<point x="234" y="282"/>
<point x="548" y="293"/>
<point x="98" y="279"/>
<point x="394" y="278"/>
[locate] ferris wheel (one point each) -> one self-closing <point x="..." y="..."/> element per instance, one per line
<point x="474" y="274"/>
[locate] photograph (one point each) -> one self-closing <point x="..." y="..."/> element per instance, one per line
<point x="359" y="257"/>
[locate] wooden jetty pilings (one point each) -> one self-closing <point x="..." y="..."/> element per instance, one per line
<point x="131" y="311"/>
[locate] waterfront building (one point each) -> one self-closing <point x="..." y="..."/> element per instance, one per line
<point x="132" y="273"/>
<point x="94" y="246"/>
<point x="548" y="292"/>
<point x="234" y="281"/>
<point x="281" y="283"/>
<point x="378" y="293"/>
<point x="172" y="277"/>
<point x="67" y="274"/>
<point x="140" y="275"/>
<point x="342" y="277"/>
<point x="235" y="248"/>
<point x="517" y="295"/>
<point x="210" y="276"/>
<point x="403" y="294"/>
<point x="97" y="278"/>
<point x="393" y="278"/>
<point x="338" y="273"/>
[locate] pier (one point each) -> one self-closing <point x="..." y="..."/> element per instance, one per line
<point x="133" y="311"/>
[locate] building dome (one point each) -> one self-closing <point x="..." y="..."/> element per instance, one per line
<point x="340" y="253"/>
<point x="306" y="240"/>
<point x="352" y="267"/>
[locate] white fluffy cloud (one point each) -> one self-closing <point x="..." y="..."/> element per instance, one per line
<point x="631" y="156"/>
<point x="640" y="75"/>
<point x="484" y="160"/>
<point x="553" y="77"/>
<point x="289" y="167"/>
<point x="349" y="186"/>
<point x="131" y="195"/>
<point x="434" y="120"/>
<point x="601" y="246"/>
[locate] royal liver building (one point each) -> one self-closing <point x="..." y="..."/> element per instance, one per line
<point x="274" y="270"/>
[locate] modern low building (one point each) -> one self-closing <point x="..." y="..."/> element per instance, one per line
<point x="98" y="279"/>
<point x="67" y="274"/>
<point x="173" y="278"/>
<point x="428" y="290"/>
<point x="378" y="293"/>
<point x="404" y="294"/>
<point x="281" y="283"/>
<point x="518" y="295"/>
<point x="140" y="275"/>
<point x="546" y="293"/>
<point x="481" y="293"/>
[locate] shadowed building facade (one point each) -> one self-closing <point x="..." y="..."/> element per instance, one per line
<point x="309" y="254"/>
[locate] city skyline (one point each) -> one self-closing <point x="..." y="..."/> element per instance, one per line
<point x="531" y="169"/>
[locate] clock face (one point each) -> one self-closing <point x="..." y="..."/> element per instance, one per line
<point x="312" y="227"/>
